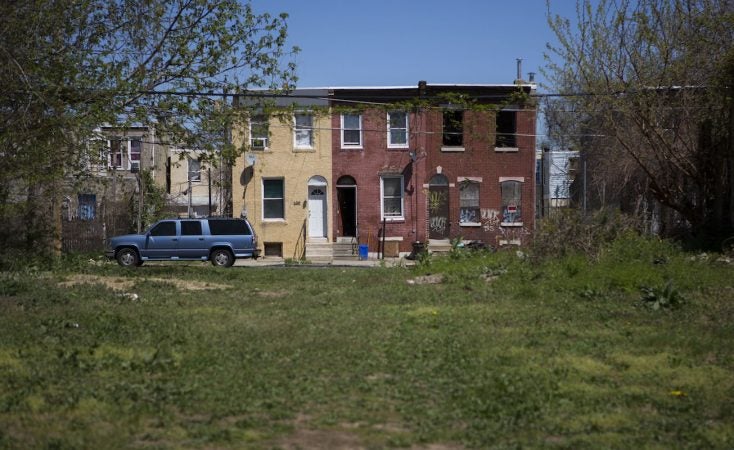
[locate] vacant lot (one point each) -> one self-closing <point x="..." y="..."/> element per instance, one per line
<point x="634" y="350"/>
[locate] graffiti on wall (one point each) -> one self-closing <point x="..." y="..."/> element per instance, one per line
<point x="438" y="224"/>
<point x="490" y="219"/>
<point x="435" y="200"/>
<point x="492" y="223"/>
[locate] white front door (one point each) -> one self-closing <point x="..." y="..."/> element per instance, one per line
<point x="316" y="211"/>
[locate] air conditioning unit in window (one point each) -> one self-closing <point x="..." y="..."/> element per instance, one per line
<point x="259" y="143"/>
<point x="134" y="166"/>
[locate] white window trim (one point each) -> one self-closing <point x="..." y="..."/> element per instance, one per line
<point x="361" y="134"/>
<point x="407" y="130"/>
<point x="507" y="149"/>
<point x="520" y="180"/>
<point x="130" y="153"/>
<point x="262" y="200"/>
<point x="477" y="181"/>
<point x="312" y="131"/>
<point x="189" y="158"/>
<point x="124" y="152"/>
<point x="251" y="139"/>
<point x="401" y="217"/>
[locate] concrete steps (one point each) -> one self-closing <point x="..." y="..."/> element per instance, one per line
<point x="345" y="250"/>
<point x="319" y="252"/>
<point x="439" y="246"/>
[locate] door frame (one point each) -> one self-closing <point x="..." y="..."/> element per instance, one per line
<point x="351" y="185"/>
<point x="318" y="182"/>
<point x="439" y="183"/>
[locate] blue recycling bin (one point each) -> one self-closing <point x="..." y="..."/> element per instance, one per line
<point x="363" y="252"/>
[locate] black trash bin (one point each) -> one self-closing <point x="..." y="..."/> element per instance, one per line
<point x="418" y="248"/>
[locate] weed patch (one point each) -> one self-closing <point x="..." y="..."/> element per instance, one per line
<point x="500" y="351"/>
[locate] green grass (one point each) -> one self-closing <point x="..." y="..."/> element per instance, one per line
<point x="504" y="353"/>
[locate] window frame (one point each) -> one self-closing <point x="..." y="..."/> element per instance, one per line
<point x="463" y="184"/>
<point x="309" y="129"/>
<point x="111" y="163"/>
<point x="505" y="139"/>
<point x="187" y="224"/>
<point x="401" y="197"/>
<point x="344" y="144"/>
<point x="446" y="144"/>
<point x="273" y="199"/>
<point x="264" y="121"/>
<point x="405" y="129"/>
<point x="189" y="172"/>
<point x="504" y="205"/>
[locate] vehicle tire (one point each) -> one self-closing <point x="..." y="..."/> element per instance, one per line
<point x="221" y="257"/>
<point x="127" y="257"/>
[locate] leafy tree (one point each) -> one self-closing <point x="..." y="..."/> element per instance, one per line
<point x="648" y="87"/>
<point x="68" y="66"/>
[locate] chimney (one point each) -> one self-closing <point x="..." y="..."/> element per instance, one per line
<point x="531" y="77"/>
<point x="422" y="89"/>
<point x="519" y="71"/>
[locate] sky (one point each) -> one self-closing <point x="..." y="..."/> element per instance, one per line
<point x="399" y="42"/>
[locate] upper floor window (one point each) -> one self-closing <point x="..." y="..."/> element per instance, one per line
<point x="453" y="128"/>
<point x="392" y="197"/>
<point x="469" y="203"/>
<point x="506" y="130"/>
<point x="273" y="199"/>
<point x="117" y="153"/>
<point x="259" y="131"/>
<point x="136" y="147"/>
<point x="397" y="129"/>
<point x="304" y="130"/>
<point x="511" y="202"/>
<point x="194" y="169"/>
<point x="135" y="150"/>
<point x="352" y="130"/>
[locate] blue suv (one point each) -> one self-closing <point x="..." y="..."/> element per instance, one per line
<point x="220" y="241"/>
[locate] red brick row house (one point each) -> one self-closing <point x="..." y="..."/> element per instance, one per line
<point x="433" y="163"/>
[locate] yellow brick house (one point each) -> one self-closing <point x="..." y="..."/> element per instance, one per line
<point x="282" y="182"/>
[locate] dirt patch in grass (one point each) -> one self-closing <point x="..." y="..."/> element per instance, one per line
<point x="122" y="283"/>
<point x="427" y="279"/>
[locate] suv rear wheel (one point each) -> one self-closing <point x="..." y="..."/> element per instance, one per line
<point x="128" y="257"/>
<point x="221" y="257"/>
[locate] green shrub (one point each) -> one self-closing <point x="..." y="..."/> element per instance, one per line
<point x="568" y="232"/>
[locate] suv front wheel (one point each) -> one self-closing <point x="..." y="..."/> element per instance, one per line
<point x="128" y="257"/>
<point x="222" y="257"/>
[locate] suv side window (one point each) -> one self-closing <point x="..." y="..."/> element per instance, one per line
<point x="167" y="228"/>
<point x="229" y="227"/>
<point x="190" y="228"/>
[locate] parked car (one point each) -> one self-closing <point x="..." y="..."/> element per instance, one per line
<point x="219" y="240"/>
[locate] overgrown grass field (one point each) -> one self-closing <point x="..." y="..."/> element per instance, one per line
<point x="633" y="350"/>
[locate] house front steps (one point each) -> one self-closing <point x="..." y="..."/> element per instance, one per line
<point x="319" y="251"/>
<point x="346" y="249"/>
<point x="439" y="246"/>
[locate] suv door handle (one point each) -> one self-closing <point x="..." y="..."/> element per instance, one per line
<point x="201" y="238"/>
<point x="174" y="239"/>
